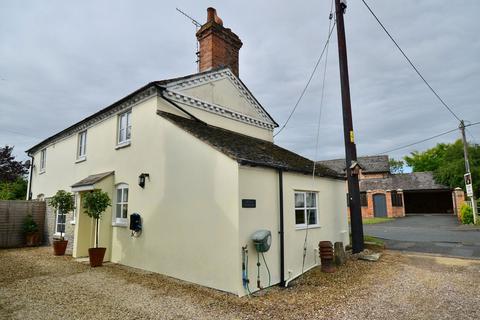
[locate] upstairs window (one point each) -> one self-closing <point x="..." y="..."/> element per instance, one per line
<point x="121" y="204"/>
<point x="124" y="127"/>
<point x="82" y="145"/>
<point x="306" y="210"/>
<point x="43" y="160"/>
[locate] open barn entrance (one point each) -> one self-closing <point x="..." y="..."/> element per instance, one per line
<point x="437" y="201"/>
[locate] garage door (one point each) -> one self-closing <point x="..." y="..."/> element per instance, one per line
<point x="428" y="202"/>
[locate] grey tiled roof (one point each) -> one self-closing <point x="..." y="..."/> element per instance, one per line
<point x="369" y="164"/>
<point x="248" y="150"/>
<point x="92" y="179"/>
<point x="407" y="181"/>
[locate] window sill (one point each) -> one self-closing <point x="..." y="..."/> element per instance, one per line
<point x="73" y="222"/>
<point x="81" y="159"/>
<point x="123" y="145"/>
<point x="314" y="226"/>
<point x="42" y="171"/>
<point x="118" y="224"/>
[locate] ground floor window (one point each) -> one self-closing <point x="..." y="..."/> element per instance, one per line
<point x="60" y="218"/>
<point x="121" y="204"/>
<point x="306" y="209"/>
<point x="363" y="199"/>
<point x="396" y="199"/>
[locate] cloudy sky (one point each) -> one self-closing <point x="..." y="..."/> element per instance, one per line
<point x="60" y="61"/>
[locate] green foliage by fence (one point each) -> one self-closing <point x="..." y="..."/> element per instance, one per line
<point x="466" y="214"/>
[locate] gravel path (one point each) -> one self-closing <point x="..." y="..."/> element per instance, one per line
<point x="36" y="285"/>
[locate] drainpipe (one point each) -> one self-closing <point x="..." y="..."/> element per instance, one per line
<point x="30" y="174"/>
<point x="281" y="232"/>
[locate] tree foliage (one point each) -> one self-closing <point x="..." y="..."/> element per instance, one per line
<point x="95" y="203"/>
<point x="447" y="163"/>
<point x="396" y="166"/>
<point x="10" y="169"/>
<point x="63" y="201"/>
<point x="16" y="190"/>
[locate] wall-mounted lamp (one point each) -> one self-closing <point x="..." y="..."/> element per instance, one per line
<point x="141" y="179"/>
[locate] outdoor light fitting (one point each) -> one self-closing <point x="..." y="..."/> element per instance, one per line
<point x="141" y="179"/>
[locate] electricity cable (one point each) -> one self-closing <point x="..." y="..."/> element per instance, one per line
<point x="268" y="270"/>
<point x="411" y="63"/>
<point x="308" y="81"/>
<point x="427" y="139"/>
<point x="317" y="138"/>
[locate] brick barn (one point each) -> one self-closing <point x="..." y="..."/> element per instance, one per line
<point x="383" y="194"/>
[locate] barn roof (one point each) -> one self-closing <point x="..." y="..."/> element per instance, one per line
<point x="414" y="181"/>
<point x="369" y="164"/>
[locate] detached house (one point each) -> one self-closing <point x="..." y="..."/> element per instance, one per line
<point x="211" y="176"/>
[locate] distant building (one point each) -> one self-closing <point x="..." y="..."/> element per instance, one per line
<point x="384" y="194"/>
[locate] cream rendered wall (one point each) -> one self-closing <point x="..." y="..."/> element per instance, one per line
<point x="262" y="184"/>
<point x="189" y="206"/>
<point x="224" y="93"/>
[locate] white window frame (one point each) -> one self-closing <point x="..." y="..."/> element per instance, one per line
<point x="75" y="208"/>
<point x="82" y="146"/>
<point x="118" y="219"/>
<point x="124" y="129"/>
<point x="43" y="160"/>
<point x="305" y="209"/>
<point x="58" y="233"/>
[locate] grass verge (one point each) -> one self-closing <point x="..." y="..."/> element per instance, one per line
<point x="376" y="220"/>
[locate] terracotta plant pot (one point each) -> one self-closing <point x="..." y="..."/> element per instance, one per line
<point x="32" y="239"/>
<point x="59" y="247"/>
<point x="96" y="256"/>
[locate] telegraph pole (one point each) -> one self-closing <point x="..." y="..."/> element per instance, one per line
<point x="350" y="148"/>
<point x="467" y="169"/>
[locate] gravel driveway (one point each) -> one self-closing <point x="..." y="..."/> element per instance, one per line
<point x="36" y="285"/>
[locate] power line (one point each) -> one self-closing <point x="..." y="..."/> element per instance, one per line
<point x="18" y="133"/>
<point x="308" y="82"/>
<point x="411" y="63"/>
<point x="427" y="139"/>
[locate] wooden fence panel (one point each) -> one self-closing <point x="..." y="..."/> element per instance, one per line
<point x="12" y="214"/>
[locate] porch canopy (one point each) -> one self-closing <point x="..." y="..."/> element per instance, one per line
<point x="89" y="182"/>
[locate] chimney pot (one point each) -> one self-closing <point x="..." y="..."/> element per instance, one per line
<point x="219" y="46"/>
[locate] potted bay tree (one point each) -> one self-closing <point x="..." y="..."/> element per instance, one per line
<point x="30" y="229"/>
<point x="94" y="204"/>
<point x="63" y="203"/>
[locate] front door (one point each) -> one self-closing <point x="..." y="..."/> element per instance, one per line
<point x="379" y="205"/>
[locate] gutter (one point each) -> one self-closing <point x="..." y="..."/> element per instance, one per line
<point x="30" y="174"/>
<point x="282" y="231"/>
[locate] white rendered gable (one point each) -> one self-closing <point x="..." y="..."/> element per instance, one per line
<point x="221" y="93"/>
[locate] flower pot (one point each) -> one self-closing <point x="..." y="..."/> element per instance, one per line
<point x="59" y="246"/>
<point x="96" y="256"/>
<point x="32" y="239"/>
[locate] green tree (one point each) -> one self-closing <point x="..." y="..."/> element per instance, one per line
<point x="396" y="166"/>
<point x="16" y="190"/>
<point x="447" y="163"/>
<point x="13" y="185"/>
<point x="94" y="205"/>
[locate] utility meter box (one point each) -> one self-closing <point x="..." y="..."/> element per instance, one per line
<point x="262" y="240"/>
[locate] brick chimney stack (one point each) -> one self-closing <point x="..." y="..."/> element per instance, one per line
<point x="219" y="46"/>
